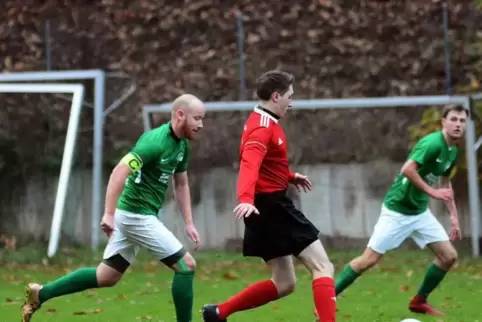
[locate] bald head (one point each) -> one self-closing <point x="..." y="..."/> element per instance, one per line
<point x="187" y="103"/>
<point x="187" y="113"/>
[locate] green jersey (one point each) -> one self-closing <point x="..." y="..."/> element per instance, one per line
<point x="156" y="156"/>
<point x="434" y="158"/>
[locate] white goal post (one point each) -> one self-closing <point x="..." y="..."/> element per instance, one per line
<point x="77" y="91"/>
<point x="378" y="102"/>
<point x="99" y="78"/>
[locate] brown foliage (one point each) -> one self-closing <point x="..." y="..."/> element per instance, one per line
<point x="335" y="49"/>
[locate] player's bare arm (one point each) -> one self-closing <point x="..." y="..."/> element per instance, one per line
<point x="117" y="179"/>
<point x="452" y="209"/>
<point x="409" y="170"/>
<point x="183" y="198"/>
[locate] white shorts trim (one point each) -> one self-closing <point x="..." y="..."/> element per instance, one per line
<point x="133" y="231"/>
<point x="392" y="228"/>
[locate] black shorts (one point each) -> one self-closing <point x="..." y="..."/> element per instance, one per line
<point x="279" y="230"/>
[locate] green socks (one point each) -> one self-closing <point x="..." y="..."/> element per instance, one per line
<point x="182" y="295"/>
<point x="346" y="278"/>
<point x="432" y="279"/>
<point x="80" y="280"/>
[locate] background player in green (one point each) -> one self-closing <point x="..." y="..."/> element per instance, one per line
<point x="135" y="194"/>
<point x="405" y="211"/>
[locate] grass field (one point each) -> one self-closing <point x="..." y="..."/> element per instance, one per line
<point x="381" y="295"/>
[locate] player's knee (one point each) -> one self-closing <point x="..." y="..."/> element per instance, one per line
<point x="449" y="258"/>
<point x="186" y="264"/>
<point x="190" y="262"/>
<point x="285" y="286"/>
<point x="324" y="268"/>
<point x="321" y="267"/>
<point x="107" y="276"/>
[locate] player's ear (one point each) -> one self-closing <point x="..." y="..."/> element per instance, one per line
<point x="275" y="96"/>
<point x="180" y="113"/>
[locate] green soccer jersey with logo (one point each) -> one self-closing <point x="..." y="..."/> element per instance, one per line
<point x="434" y="158"/>
<point x="160" y="154"/>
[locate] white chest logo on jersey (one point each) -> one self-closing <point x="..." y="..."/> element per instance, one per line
<point x="180" y="156"/>
<point x="280" y="141"/>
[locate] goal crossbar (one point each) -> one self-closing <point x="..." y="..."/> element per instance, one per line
<point x="377" y="102"/>
<point x="77" y="91"/>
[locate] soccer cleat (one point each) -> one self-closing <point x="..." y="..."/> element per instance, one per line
<point x="32" y="301"/>
<point x="210" y="313"/>
<point x="419" y="305"/>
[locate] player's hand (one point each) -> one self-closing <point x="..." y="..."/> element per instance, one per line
<point x="444" y="194"/>
<point x="245" y="210"/>
<point x="193" y="235"/>
<point x="455" y="232"/>
<point x="107" y="224"/>
<point x="455" y="229"/>
<point x="302" y="182"/>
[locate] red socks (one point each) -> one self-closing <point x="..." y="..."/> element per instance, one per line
<point x="325" y="298"/>
<point x="265" y="291"/>
<point x="255" y="295"/>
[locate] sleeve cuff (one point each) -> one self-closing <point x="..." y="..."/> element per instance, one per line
<point x="246" y="199"/>
<point x="291" y="176"/>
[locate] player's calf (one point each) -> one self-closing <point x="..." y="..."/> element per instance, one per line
<point x="367" y="260"/>
<point x="77" y="281"/>
<point x="355" y="268"/>
<point x="184" y="266"/>
<point x="446" y="256"/>
<point x="283" y="275"/>
<point x="316" y="260"/>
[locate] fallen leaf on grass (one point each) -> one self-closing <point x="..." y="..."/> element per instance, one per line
<point x="91" y="311"/>
<point x="141" y="293"/>
<point x="51" y="310"/>
<point x="404" y="288"/>
<point x="230" y="275"/>
<point x="96" y="311"/>
<point x="347" y="316"/>
<point x="9" y="300"/>
<point x="409" y="273"/>
<point x="144" y="318"/>
<point x="79" y="313"/>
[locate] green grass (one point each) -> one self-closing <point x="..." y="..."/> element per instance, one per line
<point x="144" y="294"/>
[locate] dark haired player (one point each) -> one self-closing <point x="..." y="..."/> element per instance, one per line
<point x="274" y="229"/>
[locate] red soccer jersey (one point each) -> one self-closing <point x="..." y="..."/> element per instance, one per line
<point x="264" y="160"/>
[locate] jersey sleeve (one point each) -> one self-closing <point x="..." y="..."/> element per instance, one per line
<point x="182" y="166"/>
<point x="425" y="151"/>
<point x="254" y="149"/>
<point x="148" y="148"/>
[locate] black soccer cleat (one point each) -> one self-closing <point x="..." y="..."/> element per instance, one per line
<point x="210" y="313"/>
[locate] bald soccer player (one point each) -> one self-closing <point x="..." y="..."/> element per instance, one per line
<point x="135" y="194"/>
